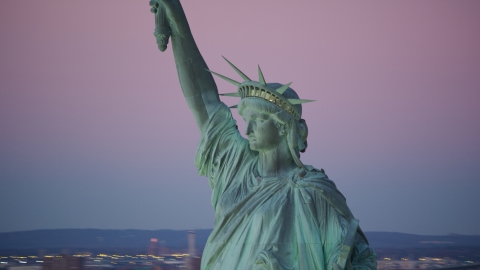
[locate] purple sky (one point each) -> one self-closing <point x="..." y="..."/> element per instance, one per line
<point x="94" y="131"/>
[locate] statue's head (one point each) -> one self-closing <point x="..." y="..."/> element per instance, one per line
<point x="285" y="125"/>
<point x="272" y="112"/>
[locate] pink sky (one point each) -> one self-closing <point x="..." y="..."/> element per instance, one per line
<point x="94" y="131"/>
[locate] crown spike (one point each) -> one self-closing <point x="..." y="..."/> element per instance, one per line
<point x="239" y="72"/>
<point x="295" y="101"/>
<point x="234" y="106"/>
<point x="261" y="79"/>
<point x="283" y="88"/>
<point x="225" y="78"/>
<point x="236" y="94"/>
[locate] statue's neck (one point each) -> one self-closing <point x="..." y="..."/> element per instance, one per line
<point x="275" y="163"/>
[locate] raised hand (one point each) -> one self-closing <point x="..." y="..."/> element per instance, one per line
<point x="169" y="20"/>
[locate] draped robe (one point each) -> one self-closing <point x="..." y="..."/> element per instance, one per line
<point x="296" y="222"/>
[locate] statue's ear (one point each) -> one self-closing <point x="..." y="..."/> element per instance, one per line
<point x="302" y="130"/>
<point x="282" y="129"/>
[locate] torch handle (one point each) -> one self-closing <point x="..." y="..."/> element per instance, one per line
<point x="162" y="29"/>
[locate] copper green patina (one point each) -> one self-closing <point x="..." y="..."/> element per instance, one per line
<point x="271" y="210"/>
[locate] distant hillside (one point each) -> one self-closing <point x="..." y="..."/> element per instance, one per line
<point x="139" y="239"/>
<point x="404" y="240"/>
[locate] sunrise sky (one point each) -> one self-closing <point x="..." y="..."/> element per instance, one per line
<point x="95" y="133"/>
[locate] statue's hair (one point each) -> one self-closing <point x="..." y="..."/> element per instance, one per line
<point x="277" y="113"/>
<point x="280" y="116"/>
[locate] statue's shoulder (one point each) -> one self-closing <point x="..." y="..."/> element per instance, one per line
<point x="317" y="183"/>
<point x="314" y="177"/>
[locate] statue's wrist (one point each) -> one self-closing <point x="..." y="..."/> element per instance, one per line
<point x="184" y="47"/>
<point x="183" y="35"/>
<point x="180" y="29"/>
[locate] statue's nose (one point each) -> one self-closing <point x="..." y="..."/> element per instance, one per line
<point x="248" y="127"/>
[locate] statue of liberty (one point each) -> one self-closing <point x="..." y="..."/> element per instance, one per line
<point x="271" y="210"/>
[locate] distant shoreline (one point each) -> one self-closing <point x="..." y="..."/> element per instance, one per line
<point x="125" y="239"/>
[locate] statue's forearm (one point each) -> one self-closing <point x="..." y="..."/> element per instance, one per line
<point x="197" y="84"/>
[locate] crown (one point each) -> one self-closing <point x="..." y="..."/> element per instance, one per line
<point x="261" y="90"/>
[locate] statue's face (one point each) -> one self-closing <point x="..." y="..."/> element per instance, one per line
<point x="263" y="134"/>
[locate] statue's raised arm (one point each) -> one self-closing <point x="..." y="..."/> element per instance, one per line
<point x="197" y="83"/>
